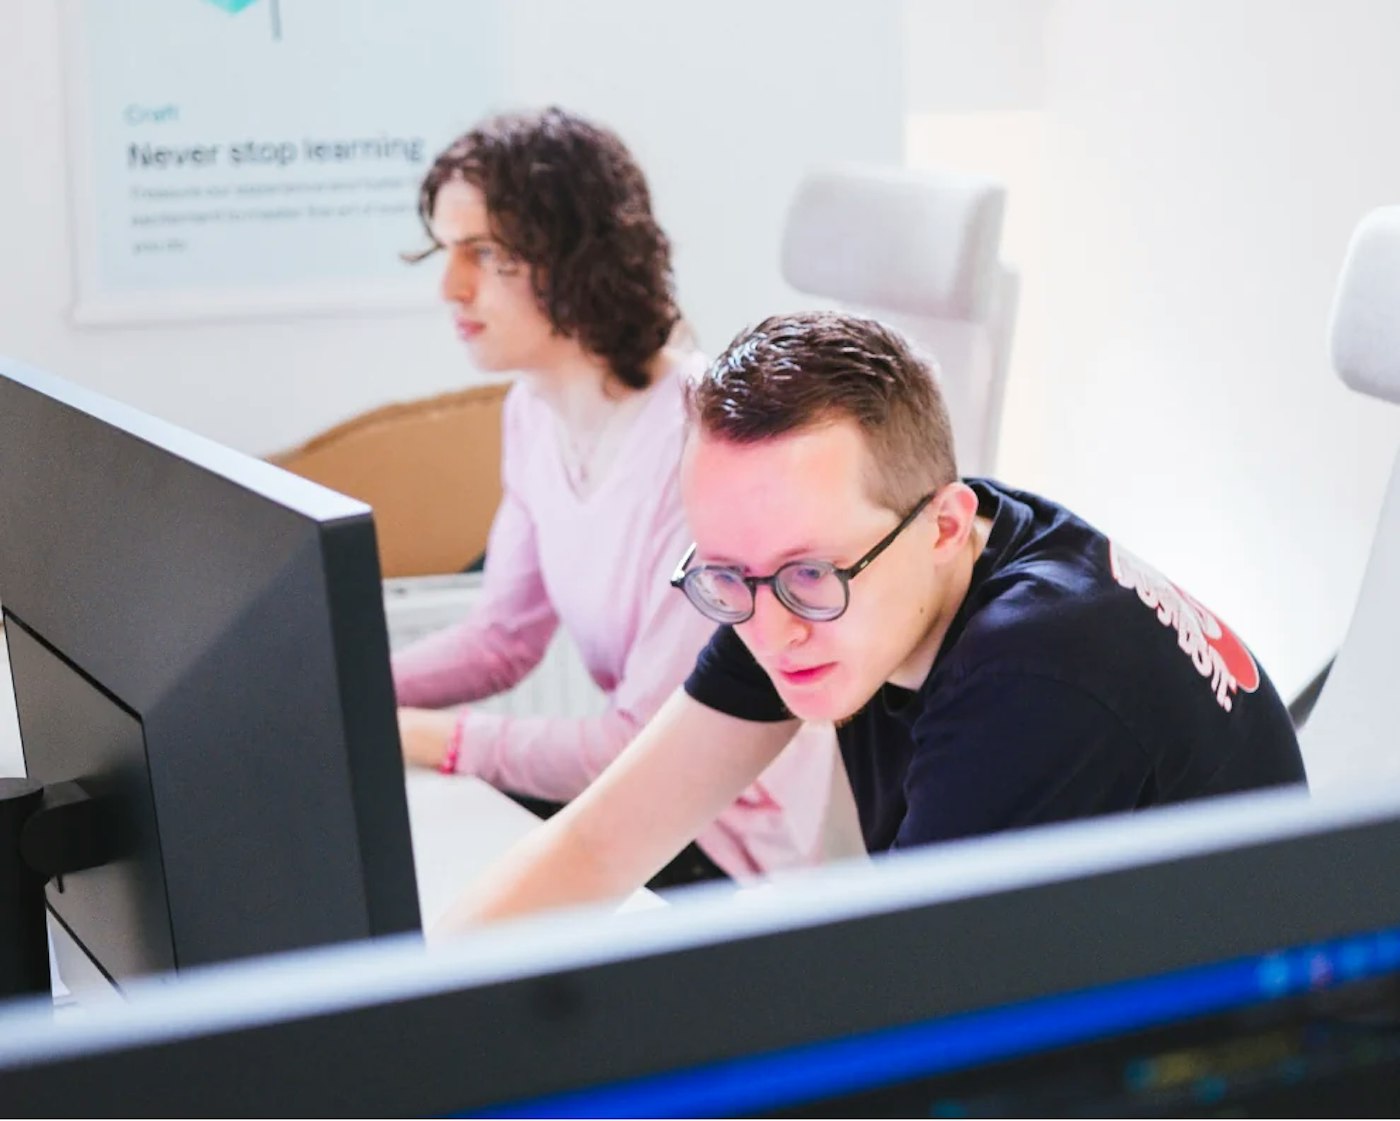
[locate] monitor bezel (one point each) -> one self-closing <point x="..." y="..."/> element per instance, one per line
<point x="105" y="508"/>
<point x="559" y="1002"/>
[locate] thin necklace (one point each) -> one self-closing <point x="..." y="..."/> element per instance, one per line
<point x="583" y="455"/>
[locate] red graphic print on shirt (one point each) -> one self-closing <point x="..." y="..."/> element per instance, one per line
<point x="1212" y="647"/>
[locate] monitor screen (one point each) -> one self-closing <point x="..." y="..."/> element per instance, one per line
<point x="197" y="639"/>
<point x="1312" y="1028"/>
<point x="1237" y="956"/>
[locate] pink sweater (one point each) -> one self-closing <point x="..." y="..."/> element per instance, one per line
<point x="600" y="565"/>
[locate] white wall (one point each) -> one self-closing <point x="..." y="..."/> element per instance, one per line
<point x="1184" y="176"/>
<point x="975" y="74"/>
<point x="1206" y="161"/>
<point x="724" y="104"/>
<point x="975" y="56"/>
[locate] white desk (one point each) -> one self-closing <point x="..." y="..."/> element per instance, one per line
<point x="461" y="826"/>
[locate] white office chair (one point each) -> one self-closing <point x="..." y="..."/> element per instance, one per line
<point x="1353" y="734"/>
<point x="919" y="250"/>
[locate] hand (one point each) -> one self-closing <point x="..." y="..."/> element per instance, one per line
<point x="425" y="734"/>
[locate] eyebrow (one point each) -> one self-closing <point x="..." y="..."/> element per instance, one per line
<point x="437" y="246"/>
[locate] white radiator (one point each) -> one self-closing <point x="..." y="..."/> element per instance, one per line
<point x="558" y="686"/>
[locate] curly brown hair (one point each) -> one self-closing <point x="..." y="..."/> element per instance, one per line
<point x="797" y="371"/>
<point x="565" y="197"/>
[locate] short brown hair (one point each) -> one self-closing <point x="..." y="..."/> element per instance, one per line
<point x="802" y="370"/>
<point x="566" y="198"/>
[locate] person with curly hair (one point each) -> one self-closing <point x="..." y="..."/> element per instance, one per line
<point x="556" y="269"/>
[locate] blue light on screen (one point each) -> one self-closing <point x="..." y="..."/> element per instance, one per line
<point x="888" y="1056"/>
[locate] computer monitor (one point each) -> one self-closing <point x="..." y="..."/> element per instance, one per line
<point x="1231" y="957"/>
<point x="197" y="640"/>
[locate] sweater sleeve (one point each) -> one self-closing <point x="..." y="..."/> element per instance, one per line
<point x="509" y="630"/>
<point x="557" y="757"/>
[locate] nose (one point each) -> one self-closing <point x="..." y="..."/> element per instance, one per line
<point x="459" y="278"/>
<point x="773" y="628"/>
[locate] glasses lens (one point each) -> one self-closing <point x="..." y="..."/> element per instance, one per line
<point x="812" y="589"/>
<point x="719" y="593"/>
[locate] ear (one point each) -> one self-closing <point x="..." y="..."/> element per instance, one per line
<point x="953" y="511"/>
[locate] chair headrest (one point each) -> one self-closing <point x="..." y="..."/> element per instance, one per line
<point x="919" y="243"/>
<point x="1366" y="312"/>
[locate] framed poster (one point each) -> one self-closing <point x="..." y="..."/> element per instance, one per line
<point x="261" y="157"/>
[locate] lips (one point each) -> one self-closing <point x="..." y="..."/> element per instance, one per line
<point x="808" y="675"/>
<point x="468" y="329"/>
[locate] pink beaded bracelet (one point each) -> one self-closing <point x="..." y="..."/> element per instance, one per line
<point x="448" y="766"/>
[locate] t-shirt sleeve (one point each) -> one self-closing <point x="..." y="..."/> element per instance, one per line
<point x="1011" y="750"/>
<point x="727" y="679"/>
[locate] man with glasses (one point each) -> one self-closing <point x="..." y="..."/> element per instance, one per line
<point x="991" y="660"/>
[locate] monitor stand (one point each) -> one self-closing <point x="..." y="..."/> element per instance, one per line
<point x="46" y="832"/>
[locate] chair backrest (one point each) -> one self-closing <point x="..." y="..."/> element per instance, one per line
<point x="430" y="469"/>
<point x="1353" y="734"/>
<point x="919" y="250"/>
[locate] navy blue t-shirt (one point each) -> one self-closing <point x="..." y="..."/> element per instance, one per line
<point x="1074" y="680"/>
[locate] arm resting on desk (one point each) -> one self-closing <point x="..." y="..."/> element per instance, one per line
<point x="676" y="777"/>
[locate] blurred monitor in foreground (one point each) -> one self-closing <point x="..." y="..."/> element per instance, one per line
<point x="1238" y="956"/>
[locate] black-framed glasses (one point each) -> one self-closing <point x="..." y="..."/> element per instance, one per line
<point x="815" y="590"/>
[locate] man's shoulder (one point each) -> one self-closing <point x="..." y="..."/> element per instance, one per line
<point x="1117" y="640"/>
<point x="1039" y="616"/>
<point x="1051" y="622"/>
